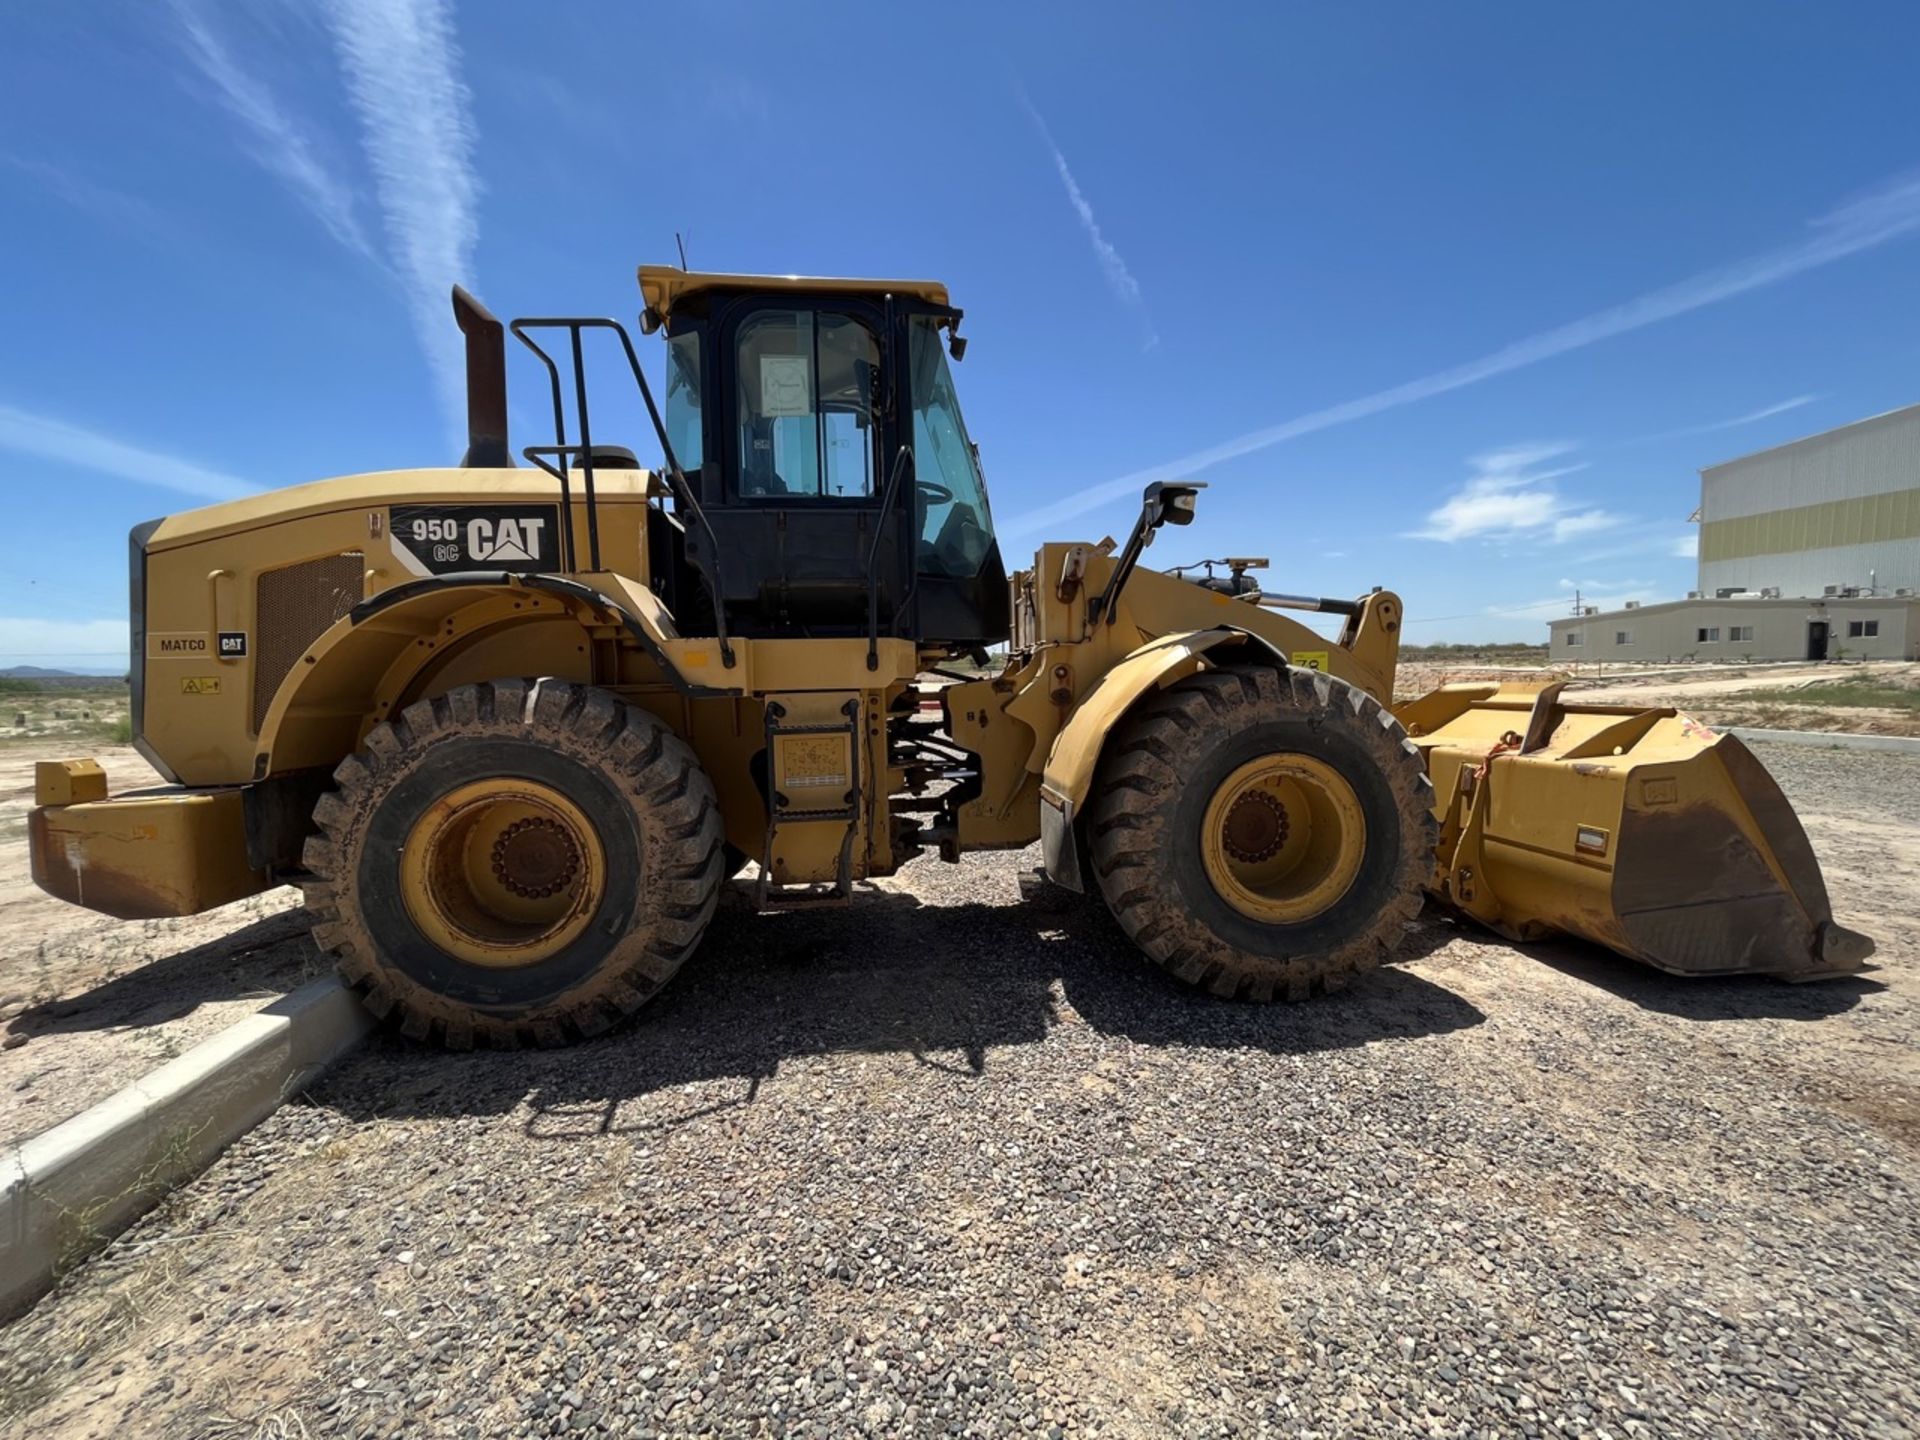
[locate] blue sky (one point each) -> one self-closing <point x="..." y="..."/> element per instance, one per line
<point x="1450" y="299"/>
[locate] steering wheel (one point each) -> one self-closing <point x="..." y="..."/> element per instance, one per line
<point x="933" y="494"/>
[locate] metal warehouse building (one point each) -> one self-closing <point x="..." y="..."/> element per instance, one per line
<point x="1809" y="550"/>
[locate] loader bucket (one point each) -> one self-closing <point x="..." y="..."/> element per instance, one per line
<point x="1638" y="829"/>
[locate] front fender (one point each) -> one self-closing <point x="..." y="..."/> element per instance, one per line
<point x="1068" y="776"/>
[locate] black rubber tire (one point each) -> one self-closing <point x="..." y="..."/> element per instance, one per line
<point x="1158" y="773"/>
<point x="653" y="809"/>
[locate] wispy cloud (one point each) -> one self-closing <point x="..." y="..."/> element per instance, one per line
<point x="44" y="438"/>
<point x="126" y="213"/>
<point x="1510" y="495"/>
<point x="1765" y="412"/>
<point x="402" y="69"/>
<point x="276" y="139"/>
<point x="1638" y="540"/>
<point x="1687" y="547"/>
<point x="729" y="95"/>
<point x="1600" y="594"/>
<point x="1113" y="267"/>
<point x="1889" y="212"/>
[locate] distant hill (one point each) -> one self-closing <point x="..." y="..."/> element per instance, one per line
<point x="40" y="675"/>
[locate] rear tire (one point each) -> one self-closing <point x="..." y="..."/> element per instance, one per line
<point x="1264" y="833"/>
<point x="512" y="863"/>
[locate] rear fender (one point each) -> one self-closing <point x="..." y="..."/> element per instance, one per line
<point x="430" y="635"/>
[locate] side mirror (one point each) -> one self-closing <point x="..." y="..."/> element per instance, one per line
<point x="1164" y="502"/>
<point x="1170" y="502"/>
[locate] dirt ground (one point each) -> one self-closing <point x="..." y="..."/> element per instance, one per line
<point x="948" y="1164"/>
<point x="1761" y="696"/>
<point x="89" y="1003"/>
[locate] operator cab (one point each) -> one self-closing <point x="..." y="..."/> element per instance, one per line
<point x="817" y="424"/>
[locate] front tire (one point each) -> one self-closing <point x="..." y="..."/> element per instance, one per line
<point x="1261" y="832"/>
<point x="515" y="862"/>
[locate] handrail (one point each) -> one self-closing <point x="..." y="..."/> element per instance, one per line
<point x="682" y="490"/>
<point x="534" y="452"/>
<point x="901" y="460"/>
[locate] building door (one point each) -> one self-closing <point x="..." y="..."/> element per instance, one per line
<point x="1816" y="640"/>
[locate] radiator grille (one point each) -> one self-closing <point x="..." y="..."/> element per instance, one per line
<point x="292" y="606"/>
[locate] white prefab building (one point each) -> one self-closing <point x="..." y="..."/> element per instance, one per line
<point x="1810" y="550"/>
<point x="1747" y="628"/>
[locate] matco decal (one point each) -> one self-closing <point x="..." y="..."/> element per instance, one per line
<point x="434" y="539"/>
<point x="178" y="645"/>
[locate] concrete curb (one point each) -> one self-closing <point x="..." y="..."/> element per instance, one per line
<point x="1897" y="744"/>
<point x="67" y="1192"/>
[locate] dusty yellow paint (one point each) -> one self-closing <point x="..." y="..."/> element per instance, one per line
<point x="1537" y="828"/>
<point x="144" y="856"/>
<point x="68" y="782"/>
<point x="473" y="892"/>
<point x="1283" y="838"/>
<point x="663" y="286"/>
<point x="1641" y="830"/>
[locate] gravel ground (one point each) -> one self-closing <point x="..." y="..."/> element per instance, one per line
<point x="945" y="1164"/>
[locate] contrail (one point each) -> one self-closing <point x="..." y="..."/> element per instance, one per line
<point x="402" y="69"/>
<point x="279" y="140"/>
<point x="1119" y="278"/>
<point x="1887" y="213"/>
<point x="1765" y="412"/>
<point x="48" y="439"/>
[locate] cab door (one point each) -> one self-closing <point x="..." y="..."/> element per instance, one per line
<point x="801" y="445"/>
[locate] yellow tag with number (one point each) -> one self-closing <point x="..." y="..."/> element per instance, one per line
<point x="200" y="685"/>
<point x="1310" y="659"/>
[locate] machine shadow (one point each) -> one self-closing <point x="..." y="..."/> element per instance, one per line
<point x="946" y="984"/>
<point x="265" y="957"/>
<point x="1702" y="997"/>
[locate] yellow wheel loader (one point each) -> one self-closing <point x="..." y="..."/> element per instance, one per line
<point x="511" y="726"/>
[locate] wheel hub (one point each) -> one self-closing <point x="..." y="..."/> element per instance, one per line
<point x="1283" y="838"/>
<point x="535" y="858"/>
<point x="1255" y="827"/>
<point x="502" y="872"/>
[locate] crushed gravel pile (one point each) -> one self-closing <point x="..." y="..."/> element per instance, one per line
<point x="946" y="1164"/>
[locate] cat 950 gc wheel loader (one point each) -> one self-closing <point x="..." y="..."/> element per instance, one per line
<point x="511" y="728"/>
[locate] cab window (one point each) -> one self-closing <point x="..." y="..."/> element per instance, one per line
<point x="806" y="406"/>
<point x="950" y="499"/>
<point x="683" y="398"/>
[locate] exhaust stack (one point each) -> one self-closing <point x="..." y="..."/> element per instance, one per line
<point x="486" y="385"/>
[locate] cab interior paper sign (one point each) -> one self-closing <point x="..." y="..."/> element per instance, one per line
<point x="785" y="388"/>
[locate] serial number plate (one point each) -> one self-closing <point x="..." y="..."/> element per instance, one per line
<point x="813" y="760"/>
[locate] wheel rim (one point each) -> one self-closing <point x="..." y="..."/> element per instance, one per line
<point x="502" y="872"/>
<point x="1283" y="838"/>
